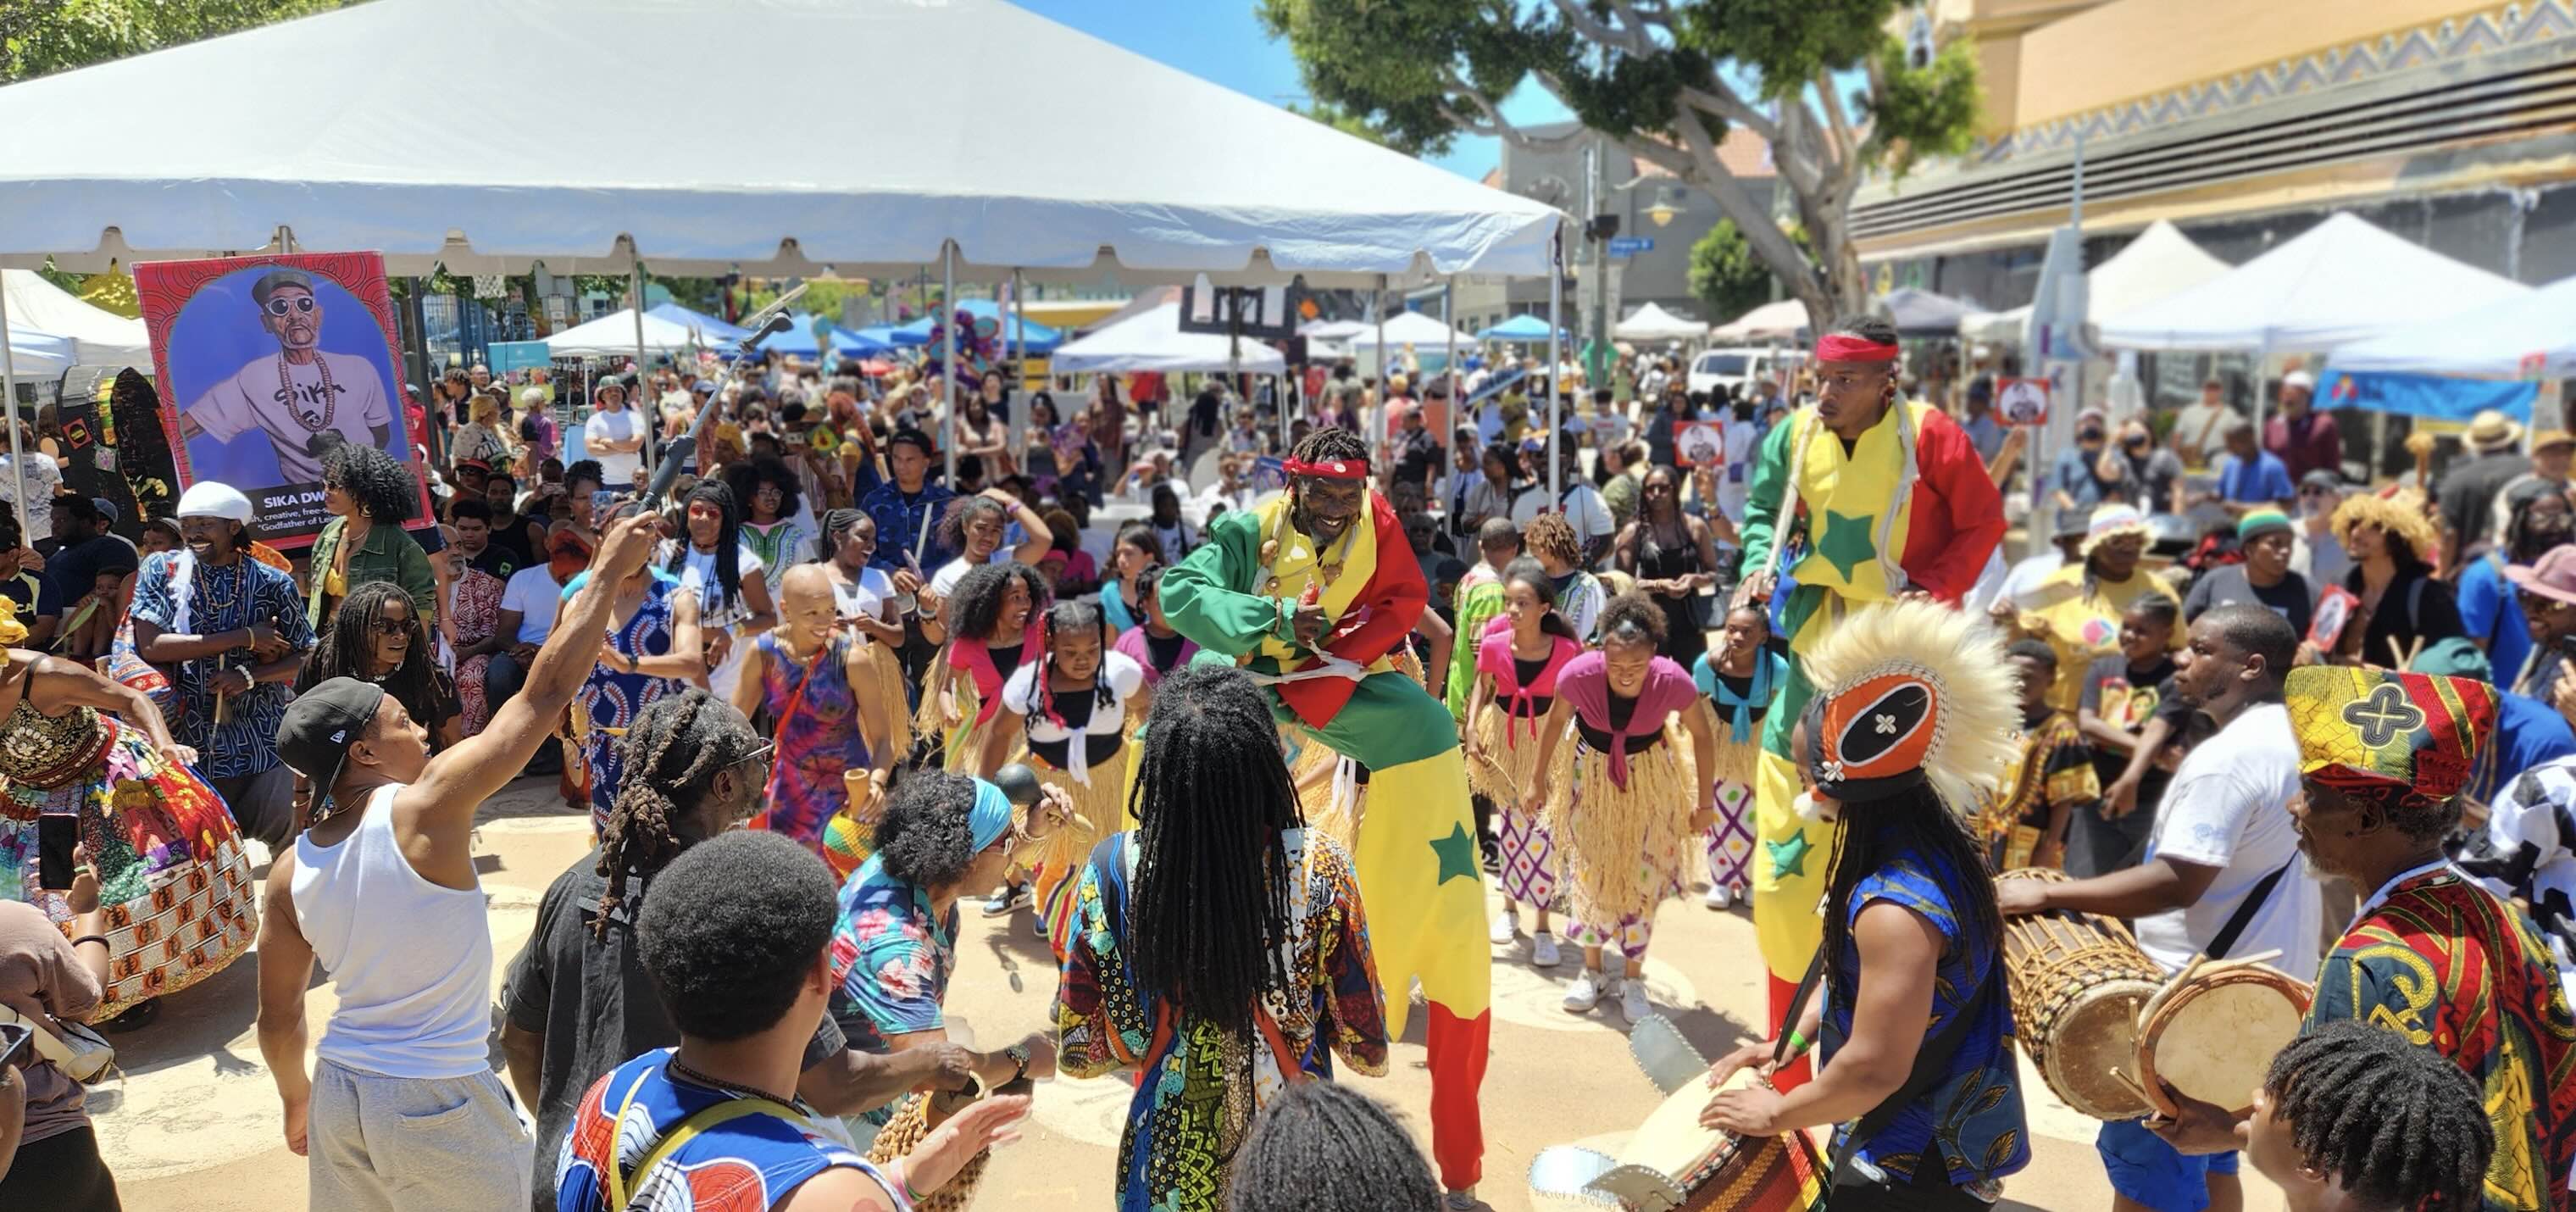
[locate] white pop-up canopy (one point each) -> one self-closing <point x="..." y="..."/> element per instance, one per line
<point x="1778" y="321"/>
<point x="2160" y="262"/>
<point x="1142" y="166"/>
<point x="2340" y="281"/>
<point x="1415" y="329"/>
<point x="98" y="337"/>
<point x="613" y="335"/>
<point x="2525" y="336"/>
<point x="1153" y="340"/>
<point x="1653" y="323"/>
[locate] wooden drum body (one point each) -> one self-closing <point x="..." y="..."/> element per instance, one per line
<point x="1672" y="1163"/>
<point x="2077" y="983"/>
<point x="2214" y="1030"/>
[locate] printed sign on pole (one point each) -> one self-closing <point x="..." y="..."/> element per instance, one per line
<point x="2022" y="401"/>
<point x="1699" y="443"/>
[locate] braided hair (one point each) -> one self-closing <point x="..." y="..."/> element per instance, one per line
<point x="1208" y="924"/>
<point x="673" y="752"/>
<point x="975" y="609"/>
<point x="351" y="639"/>
<point x="1330" y="445"/>
<point x="1550" y="536"/>
<point x="728" y="553"/>
<point x="1074" y="615"/>
<point x="2396" y="1125"/>
<point x="836" y="523"/>
<point x="1527" y="571"/>
<point x="1913" y="823"/>
<point x="1326" y="1147"/>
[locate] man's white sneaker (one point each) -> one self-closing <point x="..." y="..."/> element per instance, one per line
<point x="1632" y="1001"/>
<point x="1586" y="991"/>
<point x="1504" y="930"/>
<point x="1543" y="950"/>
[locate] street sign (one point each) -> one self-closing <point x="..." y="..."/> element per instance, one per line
<point x="1629" y="246"/>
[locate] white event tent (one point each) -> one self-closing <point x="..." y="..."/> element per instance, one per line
<point x="2338" y="282"/>
<point x="1412" y="328"/>
<point x="2529" y="336"/>
<point x="614" y="334"/>
<point x="1153" y="340"/>
<point x="1779" y="321"/>
<point x="1652" y="323"/>
<point x="2159" y="263"/>
<point x="99" y="337"/>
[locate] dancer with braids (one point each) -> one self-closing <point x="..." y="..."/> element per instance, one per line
<point x="1737" y="678"/>
<point x="1911" y="720"/>
<point x="2352" y="1118"/>
<point x="649" y="649"/>
<point x="577" y="1001"/>
<point x="1221" y="952"/>
<point x="1621" y="802"/>
<point x="974" y="528"/>
<point x="861" y="591"/>
<point x="836" y="711"/>
<point x="1517" y="667"/>
<point x="1071" y="711"/>
<point x="2432" y="956"/>
<point x="1152" y="644"/>
<point x="729" y="583"/>
<point x="1311" y="590"/>
<point x="1861" y="497"/>
<point x="1324" y="1147"/>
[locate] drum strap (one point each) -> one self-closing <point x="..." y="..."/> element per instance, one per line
<point x="2225" y="940"/>
<point x="1931" y="1063"/>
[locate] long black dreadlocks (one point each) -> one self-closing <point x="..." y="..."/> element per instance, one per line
<point x="1208" y="923"/>
<point x="975" y="608"/>
<point x="673" y="752"/>
<point x="1913" y="822"/>
<point x="2398" y="1126"/>
<point x="728" y="551"/>
<point x="1327" y="445"/>
<point x="351" y="638"/>
<point x="1073" y="616"/>
<point x="1325" y="1147"/>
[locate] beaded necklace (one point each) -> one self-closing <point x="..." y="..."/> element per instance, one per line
<point x="330" y="396"/>
<point x="206" y="585"/>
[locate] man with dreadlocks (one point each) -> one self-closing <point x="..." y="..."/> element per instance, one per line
<point x="1221" y="948"/>
<point x="1311" y="591"/>
<point x="1861" y="497"/>
<point x="2432" y="956"/>
<point x="2352" y="1118"/>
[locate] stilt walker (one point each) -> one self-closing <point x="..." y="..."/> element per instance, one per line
<point x="1311" y="591"/>
<point x="1863" y="497"/>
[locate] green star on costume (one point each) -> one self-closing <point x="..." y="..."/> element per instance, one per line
<point x="1457" y="854"/>
<point x="1846" y="543"/>
<point x="1790" y="857"/>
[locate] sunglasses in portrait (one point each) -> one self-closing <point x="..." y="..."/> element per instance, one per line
<point x="301" y="303"/>
<point x="390" y="627"/>
<point x="2312" y="491"/>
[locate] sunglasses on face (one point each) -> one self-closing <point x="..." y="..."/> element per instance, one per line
<point x="390" y="627"/>
<point x="301" y="303"/>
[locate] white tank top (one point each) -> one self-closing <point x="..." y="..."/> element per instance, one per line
<point x="410" y="961"/>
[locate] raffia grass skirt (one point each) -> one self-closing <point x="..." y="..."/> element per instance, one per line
<point x="1503" y="770"/>
<point x="961" y="744"/>
<point x="1735" y="763"/>
<point x="1058" y="863"/>
<point x="1622" y="850"/>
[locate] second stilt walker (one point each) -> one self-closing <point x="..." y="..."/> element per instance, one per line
<point x="1862" y="497"/>
<point x="1310" y="591"/>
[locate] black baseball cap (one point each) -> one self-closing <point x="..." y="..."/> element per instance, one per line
<point x="320" y="725"/>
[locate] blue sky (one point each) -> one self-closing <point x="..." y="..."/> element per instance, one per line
<point x="1223" y="41"/>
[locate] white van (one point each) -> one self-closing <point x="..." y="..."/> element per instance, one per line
<point x="1733" y="369"/>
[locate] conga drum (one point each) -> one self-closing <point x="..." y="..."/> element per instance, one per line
<point x="2213" y="1030"/>
<point x="1673" y="1163"/>
<point x="2077" y="982"/>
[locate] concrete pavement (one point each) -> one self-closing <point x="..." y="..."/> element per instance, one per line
<point x="194" y="1126"/>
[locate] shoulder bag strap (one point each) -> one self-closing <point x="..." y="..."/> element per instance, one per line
<point x="621" y="1189"/>
<point x="2225" y="940"/>
<point x="795" y="699"/>
<point x="1931" y="1063"/>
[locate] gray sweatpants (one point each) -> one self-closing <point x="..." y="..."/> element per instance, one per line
<point x="395" y="1144"/>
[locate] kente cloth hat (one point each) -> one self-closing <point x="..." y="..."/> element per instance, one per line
<point x="2490" y="431"/>
<point x="1910" y="693"/>
<point x="2366" y="729"/>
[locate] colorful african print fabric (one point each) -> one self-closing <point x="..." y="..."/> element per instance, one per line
<point x="818" y="740"/>
<point x="611" y="699"/>
<point x="1198" y="1084"/>
<point x="2370" y="727"/>
<point x="1480" y="600"/>
<point x="2078" y="615"/>
<point x="745" y="1161"/>
<point x="2444" y="963"/>
<point x="2051" y="780"/>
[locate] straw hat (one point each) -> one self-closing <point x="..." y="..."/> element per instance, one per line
<point x="2491" y="431"/>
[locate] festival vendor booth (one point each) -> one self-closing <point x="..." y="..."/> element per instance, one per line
<point x="1651" y="323"/>
<point x="716" y="331"/>
<point x="2159" y="262"/>
<point x="2494" y="356"/>
<point x="98" y="337"/>
<point x="1144" y="175"/>
<point x="1430" y="343"/>
<point x="1783" y="320"/>
<point x="1521" y="328"/>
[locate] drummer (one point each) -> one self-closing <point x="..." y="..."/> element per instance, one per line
<point x="2222" y="876"/>
<point x="2432" y="955"/>
<point x="1911" y="697"/>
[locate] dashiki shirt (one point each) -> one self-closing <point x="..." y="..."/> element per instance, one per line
<point x="613" y="698"/>
<point x="2080" y="618"/>
<point x="745" y="1162"/>
<point x="1973" y="1115"/>
<point x="817" y="741"/>
<point x="181" y="594"/>
<point x="779" y="544"/>
<point x="2444" y="963"/>
<point x="1197" y="1086"/>
<point x="2052" y="775"/>
<point x="1480" y="598"/>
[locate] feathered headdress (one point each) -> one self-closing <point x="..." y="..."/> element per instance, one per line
<point x="1909" y="693"/>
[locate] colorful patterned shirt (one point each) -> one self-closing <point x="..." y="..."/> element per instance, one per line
<point x="2444" y="963"/>
<point x="1190" y="1111"/>
<point x="891" y="956"/>
<point x="907" y="526"/>
<point x="2052" y="777"/>
<point x="743" y="1164"/>
<point x="1973" y="1115"/>
<point x="1480" y="598"/>
<point x="217" y="600"/>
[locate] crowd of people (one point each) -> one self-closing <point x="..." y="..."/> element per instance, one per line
<point x="1244" y="754"/>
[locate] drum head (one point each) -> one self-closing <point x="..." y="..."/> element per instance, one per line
<point x="1671" y="1142"/>
<point x="2095" y="1034"/>
<point x="2214" y="1038"/>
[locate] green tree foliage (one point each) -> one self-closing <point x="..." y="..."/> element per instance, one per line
<point x="1725" y="275"/>
<point x="41" y="37"/>
<point x="1667" y="79"/>
<point x="1349" y="124"/>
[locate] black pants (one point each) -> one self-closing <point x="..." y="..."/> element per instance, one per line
<point x="60" y="1174"/>
<point x="1930" y="1191"/>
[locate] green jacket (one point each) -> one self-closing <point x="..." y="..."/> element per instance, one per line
<point x="388" y="554"/>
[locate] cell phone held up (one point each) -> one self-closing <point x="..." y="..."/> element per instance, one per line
<point x="56" y="834"/>
<point x="17" y="1045"/>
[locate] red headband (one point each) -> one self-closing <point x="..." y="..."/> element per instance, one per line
<point x="1329" y="469"/>
<point x="1843" y="347"/>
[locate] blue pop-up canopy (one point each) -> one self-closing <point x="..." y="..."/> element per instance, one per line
<point x="1040" y="338"/>
<point x="1519" y="328"/>
<point x="715" y="330"/>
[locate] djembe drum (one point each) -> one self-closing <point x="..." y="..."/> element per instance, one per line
<point x="1674" y="1163"/>
<point x="2213" y="1030"/>
<point x="2077" y="983"/>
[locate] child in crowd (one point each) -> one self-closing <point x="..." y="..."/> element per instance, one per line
<point x="2352" y="1118"/>
<point x="2124" y="694"/>
<point x="2026" y="825"/>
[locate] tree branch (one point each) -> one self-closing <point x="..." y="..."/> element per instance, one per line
<point x="1494" y="125"/>
<point x="1632" y="40"/>
<point x="1845" y="145"/>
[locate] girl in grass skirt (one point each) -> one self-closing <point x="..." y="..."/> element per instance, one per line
<point x="1072" y="711"/>
<point x="989" y="637"/>
<point x="1518" y="661"/>
<point x="1736" y="681"/>
<point x="1620" y="798"/>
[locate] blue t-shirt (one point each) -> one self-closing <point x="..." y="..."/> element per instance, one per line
<point x="1973" y="1115"/>
<point x="2264" y="481"/>
<point x="2490" y="611"/>
<point x="751" y="1161"/>
<point x="2528" y="733"/>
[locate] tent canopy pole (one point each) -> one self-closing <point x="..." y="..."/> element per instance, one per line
<point x="946" y="320"/>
